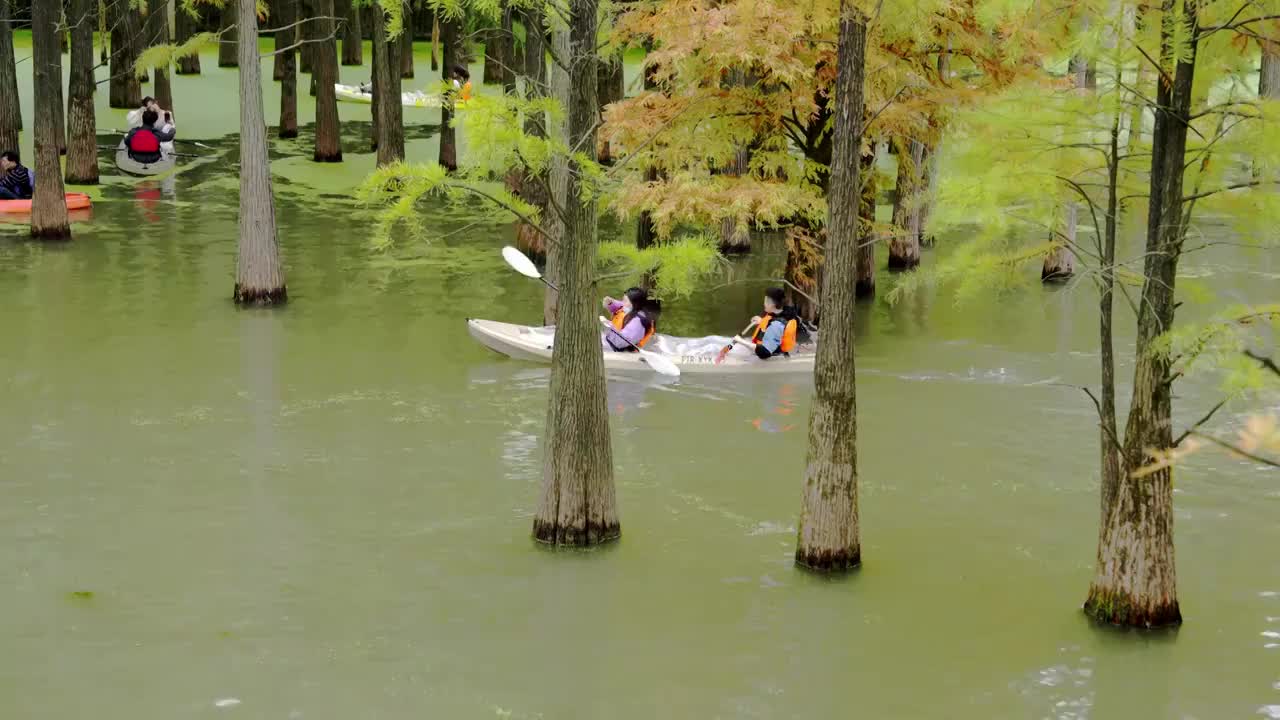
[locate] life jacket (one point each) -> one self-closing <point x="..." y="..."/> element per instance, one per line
<point x="144" y="146"/>
<point x="620" y="320"/>
<point x="466" y="91"/>
<point x="789" y="331"/>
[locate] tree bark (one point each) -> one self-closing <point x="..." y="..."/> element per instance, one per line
<point x="280" y="39"/>
<point x="828" y="535"/>
<point x="578" y="505"/>
<point x="227" y="45"/>
<point x="1060" y="262"/>
<point x="10" y="109"/>
<point x="352" y="36"/>
<point x="288" y="63"/>
<point x="450" y="37"/>
<point x="259" y="274"/>
<point x="646" y="231"/>
<point x="493" y="56"/>
<point x="307" y="31"/>
<point x="904" y="246"/>
<point x="532" y="188"/>
<point x="185" y="27"/>
<point x="158" y="22"/>
<point x="406" y="44"/>
<point x="124" y="89"/>
<point x="390" y="112"/>
<point x="1269" y="73"/>
<point x="511" y="59"/>
<point x="735" y="237"/>
<point x="1135" y="578"/>
<point x="82" y="141"/>
<point x="610" y="86"/>
<point x="49" y="219"/>
<point x="435" y="40"/>
<point x="864" y="286"/>
<point x="328" y="131"/>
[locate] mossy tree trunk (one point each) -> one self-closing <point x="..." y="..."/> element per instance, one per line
<point x="185" y="25"/>
<point x="227" y="45"/>
<point x="1135" y="578"/>
<point x="828" y="539"/>
<point x="259" y="273"/>
<point x="578" y="504"/>
<point x="288" y="63"/>
<point x="904" y="245"/>
<point x="451" y="47"/>
<point x="10" y="109"/>
<point x="49" y="219"/>
<point x="864" y="285"/>
<point x="328" y="130"/>
<point x="390" y="112"/>
<point x="82" y="140"/>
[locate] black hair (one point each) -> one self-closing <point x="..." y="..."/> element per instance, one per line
<point x="777" y="295"/>
<point x="149" y="118"/>
<point x="147" y="100"/>
<point x="640" y="303"/>
<point x="11" y="156"/>
<point x="461" y="71"/>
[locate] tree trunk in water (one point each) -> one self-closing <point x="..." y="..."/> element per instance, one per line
<point x="828" y="535"/>
<point x="124" y="89"/>
<point x="1135" y="578"/>
<point x="865" y="271"/>
<point x="578" y="504"/>
<point x="352" y="36"/>
<point x="259" y="274"/>
<point x="48" y="206"/>
<point x="1060" y="262"/>
<point x="281" y="38"/>
<point x="493" y="57"/>
<point x="185" y="27"/>
<point x="307" y="31"/>
<point x="646" y="231"/>
<point x="82" y="141"/>
<point x="376" y="20"/>
<point x="227" y="45"/>
<point x="533" y="188"/>
<point x="610" y="88"/>
<point x="735" y="237"/>
<point x="435" y="41"/>
<point x="158" y="19"/>
<point x="1269" y="73"/>
<point x="450" y="37"/>
<point x="390" y="112"/>
<point x="288" y="11"/>
<point x="904" y="246"/>
<point x="511" y="59"/>
<point x="10" y="109"/>
<point x="406" y="44"/>
<point x="328" y="130"/>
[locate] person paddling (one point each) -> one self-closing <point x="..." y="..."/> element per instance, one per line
<point x="778" y="331"/>
<point x="143" y="143"/>
<point x="633" y="318"/>
<point x="15" y="178"/>
<point x="461" y="83"/>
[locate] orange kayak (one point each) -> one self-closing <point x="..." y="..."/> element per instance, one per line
<point x="75" y="201"/>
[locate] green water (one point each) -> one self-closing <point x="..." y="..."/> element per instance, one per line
<point x="324" y="511"/>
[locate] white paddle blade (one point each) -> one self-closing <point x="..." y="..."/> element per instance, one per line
<point x="520" y="262"/>
<point x="660" y="364"/>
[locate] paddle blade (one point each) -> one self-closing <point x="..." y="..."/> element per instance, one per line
<point x="660" y="364"/>
<point x="520" y="262"/>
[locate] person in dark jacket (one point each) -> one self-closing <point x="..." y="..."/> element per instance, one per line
<point x="15" y="178"/>
<point x="143" y="143"/>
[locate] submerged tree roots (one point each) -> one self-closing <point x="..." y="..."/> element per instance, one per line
<point x="1114" y="608"/>
<point x="252" y="297"/>
<point x="584" y="535"/>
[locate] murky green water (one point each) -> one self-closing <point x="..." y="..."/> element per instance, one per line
<point x="323" y="511"/>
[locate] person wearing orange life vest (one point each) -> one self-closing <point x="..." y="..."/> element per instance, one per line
<point x="461" y="83"/>
<point x="778" y="331"/>
<point x="633" y="318"/>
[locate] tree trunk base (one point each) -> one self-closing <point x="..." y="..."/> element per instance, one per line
<point x="864" y="289"/>
<point x="287" y="133"/>
<point x="551" y="534"/>
<point x="901" y="263"/>
<point x="829" y="561"/>
<point x="58" y="232"/>
<point x="260" y="298"/>
<point x="327" y="158"/>
<point x="1055" y="274"/>
<point x="72" y="179"/>
<point x="1119" y="609"/>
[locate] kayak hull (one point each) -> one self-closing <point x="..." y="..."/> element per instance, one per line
<point x="75" y="201"/>
<point x="352" y="93"/>
<point x="535" y="344"/>
<point x="128" y="165"/>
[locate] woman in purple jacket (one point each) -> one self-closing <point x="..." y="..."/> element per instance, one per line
<point x="633" y="319"/>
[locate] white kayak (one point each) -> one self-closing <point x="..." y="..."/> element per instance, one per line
<point x="415" y="98"/>
<point x="691" y="355"/>
<point x="129" y="165"/>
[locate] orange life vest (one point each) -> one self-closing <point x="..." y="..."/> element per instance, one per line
<point x="466" y="91"/>
<point x="788" y="333"/>
<point x="620" y="319"/>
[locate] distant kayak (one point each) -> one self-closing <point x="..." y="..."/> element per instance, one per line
<point x="353" y="93"/>
<point x="75" y="201"/>
<point x="691" y="355"/>
<point x="127" y="164"/>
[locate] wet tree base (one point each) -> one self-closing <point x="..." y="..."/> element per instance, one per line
<point x="284" y="134"/>
<point x="864" y="289"/>
<point x="829" y="561"/>
<point x="899" y="264"/>
<point x="1118" y="609"/>
<point x="81" y="179"/>
<point x="60" y="232"/>
<point x="1055" y="275"/>
<point x="250" y="297"/>
<point x="322" y="157"/>
<point x="585" y="535"/>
